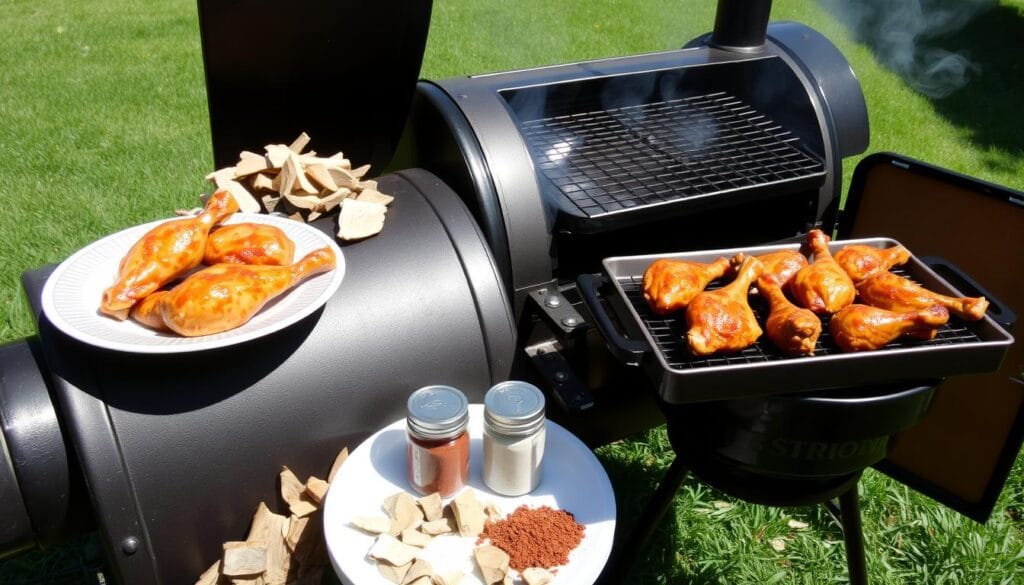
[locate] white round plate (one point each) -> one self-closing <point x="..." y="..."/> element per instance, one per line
<point x="72" y="294"/>
<point x="572" y="480"/>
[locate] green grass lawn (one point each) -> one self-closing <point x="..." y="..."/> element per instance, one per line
<point x="103" y="124"/>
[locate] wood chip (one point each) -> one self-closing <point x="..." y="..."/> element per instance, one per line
<point x="270" y="203"/>
<point x="778" y="544"/>
<point x="301" y="181"/>
<point x="393" y="573"/>
<point x="310" y="549"/>
<point x="316" y="489"/>
<point x="277" y="154"/>
<point x="243" y="558"/>
<point x="278" y="555"/>
<point x="293" y="492"/>
<point x="299" y="144"/>
<point x="493" y="563"/>
<point x="403" y="511"/>
<point x="797" y="525"/>
<point x="432" y="506"/>
<point x="373" y="524"/>
<point x="536" y="576"/>
<point x="319" y="175"/>
<point x="374" y="196"/>
<point x="343" y="178"/>
<point x="435" y="527"/>
<point x="424" y="580"/>
<point x="360" y="171"/>
<point x="338" y="462"/>
<point x="210" y="576"/>
<point x="493" y="512"/>
<point x="415" y="537"/>
<point x="262" y="182"/>
<point x="251" y="163"/>
<point x="360" y="219"/>
<point x="469" y="513"/>
<point x="420" y="568"/>
<point x="453" y="578"/>
<point x="388" y="548"/>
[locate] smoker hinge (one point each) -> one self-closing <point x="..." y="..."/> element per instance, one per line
<point x="558" y="311"/>
<point x="553" y="367"/>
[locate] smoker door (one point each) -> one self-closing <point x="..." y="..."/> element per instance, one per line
<point x="963" y="450"/>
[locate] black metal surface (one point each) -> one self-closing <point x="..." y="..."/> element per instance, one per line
<point x="344" y="72"/>
<point x="179" y="449"/>
<point x="740" y="25"/>
<point x="615" y="161"/>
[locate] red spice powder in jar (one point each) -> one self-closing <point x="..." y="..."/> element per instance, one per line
<point x="437" y="452"/>
<point x="535" y="537"/>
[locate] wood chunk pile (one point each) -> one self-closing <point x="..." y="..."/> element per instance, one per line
<point x="305" y="186"/>
<point x="279" y="549"/>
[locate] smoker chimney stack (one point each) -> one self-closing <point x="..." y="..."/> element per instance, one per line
<point x="741" y="25"/>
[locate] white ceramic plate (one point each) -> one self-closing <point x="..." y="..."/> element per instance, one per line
<point x="572" y="480"/>
<point x="71" y="296"/>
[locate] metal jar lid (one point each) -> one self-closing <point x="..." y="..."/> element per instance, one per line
<point x="437" y="412"/>
<point x="514" y="408"/>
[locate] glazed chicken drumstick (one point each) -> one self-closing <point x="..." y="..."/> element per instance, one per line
<point x="860" y="261"/>
<point x="249" y="243"/>
<point x="896" y="293"/>
<point x="782" y="265"/>
<point x="225" y="296"/>
<point x="670" y="285"/>
<point x="164" y="253"/>
<point x="721" y="320"/>
<point x="822" y="286"/>
<point x="792" y="329"/>
<point x="864" y="328"/>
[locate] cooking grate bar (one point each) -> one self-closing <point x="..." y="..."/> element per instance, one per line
<point x="623" y="159"/>
<point x="669" y="334"/>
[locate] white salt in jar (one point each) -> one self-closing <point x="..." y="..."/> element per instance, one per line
<point x="513" y="438"/>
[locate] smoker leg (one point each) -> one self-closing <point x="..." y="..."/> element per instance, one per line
<point x="629" y="551"/>
<point x="853" y="536"/>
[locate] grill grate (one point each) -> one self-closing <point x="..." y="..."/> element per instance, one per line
<point x="612" y="161"/>
<point x="669" y="334"/>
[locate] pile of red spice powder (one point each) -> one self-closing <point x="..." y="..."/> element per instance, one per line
<point x="535" y="537"/>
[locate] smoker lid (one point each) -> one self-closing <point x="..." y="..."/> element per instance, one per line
<point x="344" y="72"/>
<point x="963" y="450"/>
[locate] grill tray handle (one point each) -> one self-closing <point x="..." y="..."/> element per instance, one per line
<point x="626" y="350"/>
<point x="998" y="310"/>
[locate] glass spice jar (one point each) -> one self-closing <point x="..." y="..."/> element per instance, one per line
<point x="513" y="437"/>
<point x="437" y="446"/>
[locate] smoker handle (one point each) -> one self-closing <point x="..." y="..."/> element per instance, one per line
<point x="998" y="310"/>
<point x="628" y="351"/>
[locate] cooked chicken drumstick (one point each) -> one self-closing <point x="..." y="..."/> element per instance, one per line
<point x="863" y="328"/>
<point x="783" y="265"/>
<point x="893" y="292"/>
<point x="822" y="286"/>
<point x="792" y="329"/>
<point x="249" y="243"/>
<point x="225" y="296"/>
<point x="670" y="285"/>
<point x="147" y="311"/>
<point x="721" y="320"/>
<point x="162" y="254"/>
<point x="861" y="261"/>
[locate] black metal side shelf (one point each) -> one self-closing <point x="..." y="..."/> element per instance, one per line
<point x="613" y="163"/>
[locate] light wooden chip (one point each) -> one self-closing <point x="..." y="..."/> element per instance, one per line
<point x="338" y="461"/>
<point x="316" y="489"/>
<point x="309" y="550"/>
<point x="290" y="172"/>
<point x="343" y="178"/>
<point x="453" y="578"/>
<point x="373" y="524"/>
<point x="270" y="203"/>
<point x="299" y="143"/>
<point x="536" y="576"/>
<point x="420" y="568"/>
<point x="469" y="513"/>
<point x="251" y="163"/>
<point x="243" y="558"/>
<point x="332" y="200"/>
<point x="403" y="511"/>
<point x="302" y="183"/>
<point x="388" y="548"/>
<point x="246" y="201"/>
<point x="313" y="215"/>
<point x="435" y="527"/>
<point x="432" y="507"/>
<point x="335" y="161"/>
<point x="210" y="576"/>
<point x="374" y="196"/>
<point x="493" y="563"/>
<point x="393" y="573"/>
<point x="424" y="580"/>
<point x="262" y="182"/>
<point x="296" y="526"/>
<point x="293" y="492"/>
<point x="303" y="201"/>
<point x="493" y="512"/>
<point x="415" y="537"/>
<point x="370" y="184"/>
<point x="277" y="154"/>
<point x="360" y="171"/>
<point x="318" y="174"/>
<point x="278" y="556"/>
<point x="360" y="219"/>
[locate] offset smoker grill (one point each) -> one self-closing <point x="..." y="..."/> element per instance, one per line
<point x="735" y="141"/>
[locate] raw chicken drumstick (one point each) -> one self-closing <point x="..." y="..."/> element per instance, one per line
<point x="896" y="293"/>
<point x="863" y="328"/>
<point x="860" y="261"/>
<point x="163" y="254"/>
<point x="783" y="265"/>
<point x="822" y="286"/>
<point x="721" y="320"/>
<point x="670" y="285"/>
<point x="792" y="329"/>
<point x="225" y="296"/>
<point x="249" y="243"/>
